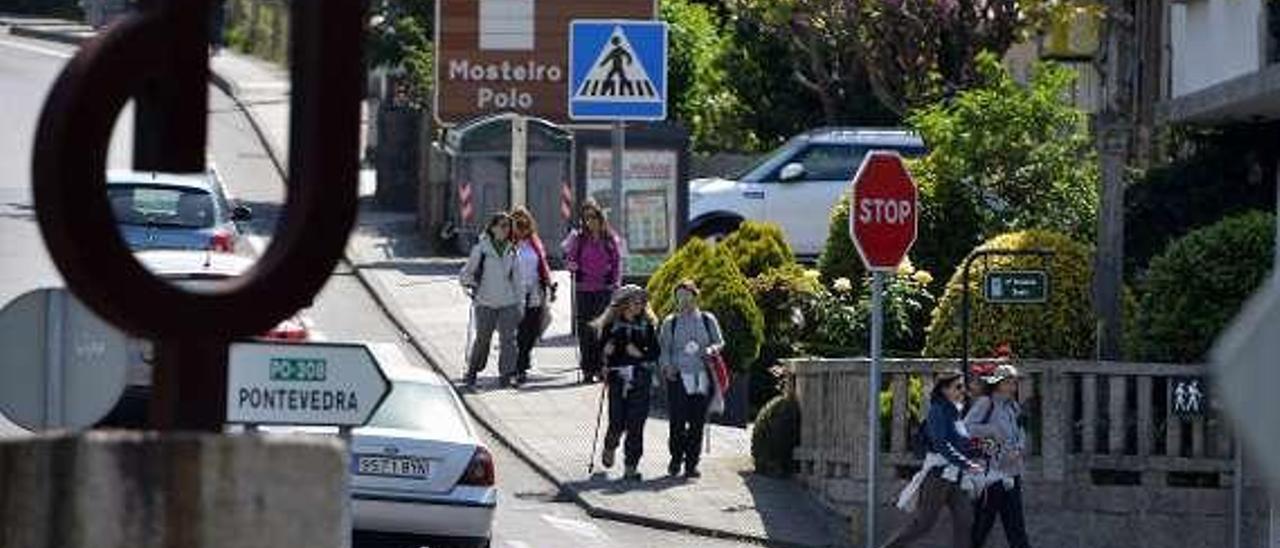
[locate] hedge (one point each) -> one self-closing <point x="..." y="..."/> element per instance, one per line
<point x="776" y="435"/>
<point x="758" y="248"/>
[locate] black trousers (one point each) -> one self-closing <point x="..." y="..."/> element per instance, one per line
<point x="590" y="305"/>
<point x="628" y="409"/>
<point x="688" y="423"/>
<point x="1007" y="504"/>
<point x="527" y="337"/>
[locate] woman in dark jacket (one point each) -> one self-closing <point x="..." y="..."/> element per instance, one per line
<point x="947" y="472"/>
<point x="628" y="331"/>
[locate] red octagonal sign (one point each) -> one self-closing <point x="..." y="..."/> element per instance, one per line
<point x="884" y="212"/>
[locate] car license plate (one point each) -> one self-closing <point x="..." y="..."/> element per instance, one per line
<point x="399" y="467"/>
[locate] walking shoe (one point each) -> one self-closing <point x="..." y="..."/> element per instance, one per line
<point x="470" y="380"/>
<point x="673" y="469"/>
<point x="607" y="458"/>
<point x="521" y="378"/>
<point x="504" y="381"/>
<point x="631" y="474"/>
<point x="692" y="472"/>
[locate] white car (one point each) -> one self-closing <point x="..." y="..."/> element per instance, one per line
<point x="794" y="186"/>
<point x="420" y="473"/>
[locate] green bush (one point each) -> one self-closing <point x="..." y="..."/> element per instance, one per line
<point x="758" y="247"/>
<point x="1003" y="157"/>
<point x="1064" y="327"/>
<point x="783" y="295"/>
<point x="841" y="315"/>
<point x="776" y="435"/>
<point x="839" y="257"/>
<point x="1198" y="285"/>
<point x="724" y="293"/>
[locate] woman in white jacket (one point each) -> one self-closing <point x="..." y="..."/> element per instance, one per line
<point x="492" y="279"/>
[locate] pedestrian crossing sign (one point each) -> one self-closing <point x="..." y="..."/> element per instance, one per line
<point x="618" y="70"/>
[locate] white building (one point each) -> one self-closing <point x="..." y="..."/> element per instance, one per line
<point x="1222" y="62"/>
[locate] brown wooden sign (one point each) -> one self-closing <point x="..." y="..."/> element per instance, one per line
<point x="512" y="55"/>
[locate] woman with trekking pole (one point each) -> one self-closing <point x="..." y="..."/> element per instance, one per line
<point x="947" y="477"/>
<point x="688" y="337"/>
<point x="994" y="419"/>
<point x="628" y="333"/>
<point x="535" y="275"/>
<point x="592" y="253"/>
<point x="492" y="280"/>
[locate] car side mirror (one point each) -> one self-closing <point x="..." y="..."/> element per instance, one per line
<point x="791" y="172"/>
<point x="241" y="213"/>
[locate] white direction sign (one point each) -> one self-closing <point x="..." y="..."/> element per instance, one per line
<point x="312" y="383"/>
<point x="1246" y="362"/>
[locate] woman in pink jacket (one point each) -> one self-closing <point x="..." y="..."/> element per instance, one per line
<point x="593" y="254"/>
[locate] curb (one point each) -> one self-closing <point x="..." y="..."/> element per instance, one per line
<point x="47" y="35"/>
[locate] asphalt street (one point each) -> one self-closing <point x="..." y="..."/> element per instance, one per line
<point x="531" y="513"/>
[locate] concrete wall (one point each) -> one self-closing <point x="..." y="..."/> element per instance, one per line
<point x="1214" y="41"/>
<point x="136" y="490"/>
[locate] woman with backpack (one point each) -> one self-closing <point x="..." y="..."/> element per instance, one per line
<point x="492" y="280"/>
<point x="628" y="333"/>
<point x="688" y="337"/>
<point x="535" y="275"/>
<point x="592" y="254"/>
<point x="948" y="473"/>
<point x="994" y="419"/>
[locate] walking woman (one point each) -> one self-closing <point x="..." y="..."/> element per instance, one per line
<point x="994" y="419"/>
<point x="491" y="278"/>
<point x="628" y="331"/>
<point x="592" y="253"/>
<point x="948" y="471"/>
<point x="535" y="277"/>
<point x="687" y="337"/>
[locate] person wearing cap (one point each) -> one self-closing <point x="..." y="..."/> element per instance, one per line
<point x="628" y="333"/>
<point x="994" y="419"/>
<point x="687" y="337"/>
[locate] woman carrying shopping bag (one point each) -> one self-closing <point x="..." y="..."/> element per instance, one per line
<point x="493" y="282"/>
<point x="994" y="419"/>
<point x="687" y="337"/>
<point x="535" y="276"/>
<point x="628" y="332"/>
<point x="947" y="477"/>
<point x="593" y="254"/>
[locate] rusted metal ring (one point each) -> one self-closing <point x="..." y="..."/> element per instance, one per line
<point x="80" y="231"/>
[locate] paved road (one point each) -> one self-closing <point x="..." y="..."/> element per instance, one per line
<point x="531" y="515"/>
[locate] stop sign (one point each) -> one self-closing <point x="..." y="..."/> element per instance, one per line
<point x="884" y="211"/>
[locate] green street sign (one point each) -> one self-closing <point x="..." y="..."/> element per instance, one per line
<point x="1016" y="287"/>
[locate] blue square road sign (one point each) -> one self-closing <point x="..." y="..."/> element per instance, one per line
<point x="618" y="70"/>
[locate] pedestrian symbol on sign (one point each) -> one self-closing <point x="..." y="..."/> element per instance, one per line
<point x="616" y="74"/>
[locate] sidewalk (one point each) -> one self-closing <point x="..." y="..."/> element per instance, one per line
<point x="550" y="421"/>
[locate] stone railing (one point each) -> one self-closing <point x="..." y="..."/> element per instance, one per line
<point x="1111" y="464"/>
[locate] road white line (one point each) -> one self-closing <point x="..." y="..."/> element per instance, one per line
<point x="517" y="544"/>
<point x="37" y="49"/>
<point x="584" y="529"/>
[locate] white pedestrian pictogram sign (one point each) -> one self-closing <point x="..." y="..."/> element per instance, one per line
<point x="617" y="74"/>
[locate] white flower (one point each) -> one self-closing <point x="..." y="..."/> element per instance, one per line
<point x="843" y="285"/>
<point x="923" y="277"/>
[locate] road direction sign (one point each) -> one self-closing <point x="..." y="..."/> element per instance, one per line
<point x="303" y="384"/>
<point x="1016" y="287"/>
<point x="618" y="70"/>
<point x="884" y="212"/>
<point x="61" y="366"/>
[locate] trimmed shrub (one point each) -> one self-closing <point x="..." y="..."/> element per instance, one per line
<point x="758" y="247"/>
<point x="839" y="257"/>
<point x="1194" y="289"/>
<point x="776" y="435"/>
<point x="1063" y="327"/>
<point x="783" y="295"/>
<point x="724" y="293"/>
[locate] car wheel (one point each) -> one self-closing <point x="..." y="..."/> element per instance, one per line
<point x="717" y="230"/>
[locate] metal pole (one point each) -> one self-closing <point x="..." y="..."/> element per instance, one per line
<point x="55" y="311"/>
<point x="519" y="160"/>
<point x="1237" y="497"/>
<point x="873" y="403"/>
<point x="348" y="520"/>
<point x="964" y="320"/>
<point x="619" y="209"/>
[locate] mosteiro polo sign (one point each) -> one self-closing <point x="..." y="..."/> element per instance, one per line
<point x="312" y="383"/>
<point x="884" y="211"/>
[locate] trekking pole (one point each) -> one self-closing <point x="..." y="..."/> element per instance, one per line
<point x="595" y="437"/>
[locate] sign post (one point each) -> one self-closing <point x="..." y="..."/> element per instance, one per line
<point x="883" y="218"/>
<point x="618" y="72"/>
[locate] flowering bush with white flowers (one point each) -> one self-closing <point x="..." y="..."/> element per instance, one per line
<point x="839" y="319"/>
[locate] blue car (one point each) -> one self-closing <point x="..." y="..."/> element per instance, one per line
<point x="173" y="211"/>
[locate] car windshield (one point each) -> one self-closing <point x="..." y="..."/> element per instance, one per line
<point x="425" y="408"/>
<point x="163" y="206"/>
<point x="755" y="164"/>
